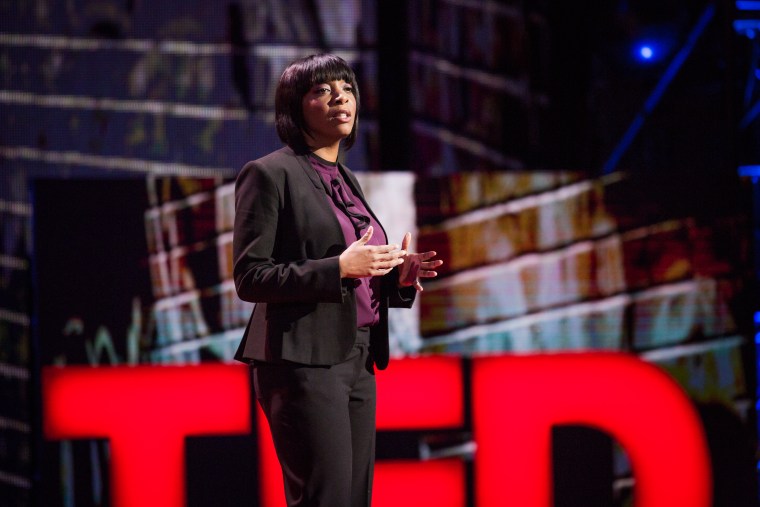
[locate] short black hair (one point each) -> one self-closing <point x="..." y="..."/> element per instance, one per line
<point x="295" y="82"/>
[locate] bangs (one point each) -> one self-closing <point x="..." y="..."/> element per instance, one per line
<point x="331" y="71"/>
<point x="326" y="68"/>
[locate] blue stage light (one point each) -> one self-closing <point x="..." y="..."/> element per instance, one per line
<point x="646" y="52"/>
<point x="652" y="50"/>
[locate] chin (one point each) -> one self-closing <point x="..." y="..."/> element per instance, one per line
<point x="344" y="133"/>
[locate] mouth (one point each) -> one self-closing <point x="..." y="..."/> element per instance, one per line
<point x="341" y="116"/>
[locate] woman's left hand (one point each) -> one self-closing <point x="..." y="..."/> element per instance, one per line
<point x="416" y="265"/>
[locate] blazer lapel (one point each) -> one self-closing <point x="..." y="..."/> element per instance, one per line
<point x="310" y="172"/>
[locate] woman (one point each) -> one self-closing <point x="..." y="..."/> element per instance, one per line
<point x="312" y="255"/>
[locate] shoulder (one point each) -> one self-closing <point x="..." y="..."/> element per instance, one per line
<point x="277" y="170"/>
<point x="272" y="165"/>
<point x="283" y="155"/>
<point x="282" y="158"/>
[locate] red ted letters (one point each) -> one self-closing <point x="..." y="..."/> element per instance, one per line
<point x="147" y="411"/>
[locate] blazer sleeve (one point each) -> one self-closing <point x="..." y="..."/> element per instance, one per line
<point x="398" y="297"/>
<point x="259" y="276"/>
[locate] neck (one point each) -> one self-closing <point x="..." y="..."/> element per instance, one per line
<point x="329" y="153"/>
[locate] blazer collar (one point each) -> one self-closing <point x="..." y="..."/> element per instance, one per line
<point x="303" y="160"/>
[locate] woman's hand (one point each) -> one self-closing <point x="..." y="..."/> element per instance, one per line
<point x="360" y="260"/>
<point x="416" y="265"/>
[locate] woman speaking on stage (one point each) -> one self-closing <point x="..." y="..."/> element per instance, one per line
<point x="309" y="251"/>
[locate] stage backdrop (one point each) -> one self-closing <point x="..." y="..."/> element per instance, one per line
<point x="535" y="262"/>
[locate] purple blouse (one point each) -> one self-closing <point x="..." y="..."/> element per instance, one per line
<point x="367" y="289"/>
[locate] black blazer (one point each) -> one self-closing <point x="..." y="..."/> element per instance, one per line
<point x="286" y="244"/>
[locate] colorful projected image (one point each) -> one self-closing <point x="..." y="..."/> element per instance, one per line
<point x="560" y="271"/>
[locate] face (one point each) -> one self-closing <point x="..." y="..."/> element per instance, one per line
<point x="329" y="110"/>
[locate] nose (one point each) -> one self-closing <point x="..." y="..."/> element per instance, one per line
<point x="340" y="96"/>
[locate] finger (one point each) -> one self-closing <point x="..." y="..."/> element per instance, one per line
<point x="385" y="249"/>
<point x="427" y="273"/>
<point x="428" y="255"/>
<point x="431" y="264"/>
<point x="390" y="256"/>
<point x="380" y="272"/>
<point x="367" y="236"/>
<point x="389" y="264"/>
<point x="418" y="286"/>
<point x="405" y="242"/>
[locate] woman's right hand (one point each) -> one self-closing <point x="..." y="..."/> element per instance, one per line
<point x="361" y="260"/>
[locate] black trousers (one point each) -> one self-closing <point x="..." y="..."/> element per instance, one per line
<point x="322" y="420"/>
